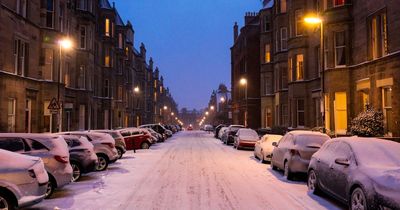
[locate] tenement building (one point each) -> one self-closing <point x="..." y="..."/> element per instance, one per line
<point x="95" y="80"/>
<point x="358" y="68"/>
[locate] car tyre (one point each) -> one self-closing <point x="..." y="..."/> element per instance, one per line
<point x="51" y="186"/>
<point x="76" y="171"/>
<point x="145" y="145"/>
<point x="272" y="165"/>
<point x="120" y="152"/>
<point x="358" y="200"/>
<point x="286" y="171"/>
<point x="6" y="202"/>
<point x="102" y="162"/>
<point x="312" y="183"/>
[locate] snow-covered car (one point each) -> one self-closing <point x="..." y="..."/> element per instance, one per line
<point x="158" y="136"/>
<point x="245" y="138"/>
<point x="217" y="129"/>
<point x="208" y="128"/>
<point x="230" y="133"/>
<point x="23" y="180"/>
<point x="159" y="129"/>
<point x="119" y="141"/>
<point x="82" y="157"/>
<point x="293" y="152"/>
<point x="135" y="138"/>
<point x="51" y="148"/>
<point x="221" y="132"/>
<point x="263" y="148"/>
<point x="149" y="136"/>
<point x="104" y="147"/>
<point x="361" y="172"/>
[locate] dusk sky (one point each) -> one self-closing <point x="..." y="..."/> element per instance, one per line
<point x="189" y="41"/>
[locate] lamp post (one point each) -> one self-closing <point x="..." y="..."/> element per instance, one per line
<point x="314" y="19"/>
<point x="243" y="82"/>
<point x="63" y="44"/>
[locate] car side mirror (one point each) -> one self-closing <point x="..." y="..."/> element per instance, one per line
<point x="342" y="161"/>
<point x="274" y="144"/>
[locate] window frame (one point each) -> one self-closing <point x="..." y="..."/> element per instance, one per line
<point x="343" y="47"/>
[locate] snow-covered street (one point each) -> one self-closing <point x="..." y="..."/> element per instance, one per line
<point x="192" y="170"/>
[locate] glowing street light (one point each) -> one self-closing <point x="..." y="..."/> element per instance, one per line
<point x="165" y="107"/>
<point x="65" y="43"/>
<point x="172" y="114"/>
<point x="207" y="113"/>
<point x="222" y="99"/>
<point x="212" y="108"/>
<point x="243" y="81"/>
<point x="312" y="19"/>
<point x="136" y="89"/>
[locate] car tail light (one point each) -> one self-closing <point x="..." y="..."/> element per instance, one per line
<point x="32" y="173"/>
<point x="61" y="159"/>
<point x="111" y="145"/>
<point x="294" y="152"/>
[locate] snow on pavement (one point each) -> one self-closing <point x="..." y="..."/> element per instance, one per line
<point x="192" y="170"/>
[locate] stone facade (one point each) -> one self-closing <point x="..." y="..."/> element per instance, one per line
<point x="101" y="82"/>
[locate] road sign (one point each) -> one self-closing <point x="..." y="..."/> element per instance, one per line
<point x="54" y="105"/>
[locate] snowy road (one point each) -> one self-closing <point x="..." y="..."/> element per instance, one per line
<point x="190" y="171"/>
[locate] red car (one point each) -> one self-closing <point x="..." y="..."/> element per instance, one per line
<point x="135" y="139"/>
<point x="190" y="128"/>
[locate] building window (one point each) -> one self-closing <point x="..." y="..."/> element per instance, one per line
<point x="284" y="114"/>
<point x="284" y="79"/>
<point x="107" y="30"/>
<point x="317" y="105"/>
<point x="299" y="67"/>
<point x="120" y="92"/>
<point x="107" y="58"/>
<point x="268" y="84"/>
<point x="267" y="53"/>
<point x="61" y="18"/>
<point x="277" y="41"/>
<point x="84" y="5"/>
<point x="120" y="41"/>
<point x="326" y="53"/>
<point x="82" y="39"/>
<point x="11" y="115"/>
<point x="67" y="77"/>
<point x="300" y="113"/>
<point x="364" y="99"/>
<point x="340" y="49"/>
<point x="21" y="7"/>
<point x="299" y="22"/>
<point x="267" y="23"/>
<point x="290" y="69"/>
<point x="282" y="6"/>
<point x="387" y="109"/>
<point x="50" y="14"/>
<point x="47" y="72"/>
<point x="106" y="88"/>
<point x="21" y="55"/>
<point x="337" y="3"/>
<point x="378" y="36"/>
<point x="82" y="77"/>
<point x="283" y="38"/>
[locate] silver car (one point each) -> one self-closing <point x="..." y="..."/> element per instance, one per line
<point x="82" y="157"/>
<point x="51" y="148"/>
<point x="104" y="147"/>
<point x="119" y="141"/>
<point x="23" y="181"/>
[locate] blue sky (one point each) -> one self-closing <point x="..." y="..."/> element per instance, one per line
<point x="189" y="41"/>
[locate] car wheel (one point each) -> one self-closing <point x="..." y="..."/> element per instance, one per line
<point x="358" y="201"/>
<point x="312" y="182"/>
<point x="145" y="145"/>
<point x="272" y="165"/>
<point x="50" y="187"/>
<point x="262" y="159"/>
<point x="120" y="153"/>
<point x="5" y="202"/>
<point x="287" y="172"/>
<point x="102" y="162"/>
<point x="76" y="172"/>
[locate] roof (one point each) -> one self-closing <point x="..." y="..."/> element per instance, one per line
<point x="105" y="4"/>
<point x="268" y="4"/>
<point x="362" y="141"/>
<point x="118" y="19"/>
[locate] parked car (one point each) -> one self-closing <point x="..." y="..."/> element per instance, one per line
<point x="51" y="148"/>
<point x="119" y="141"/>
<point x="208" y="128"/>
<point x="156" y="135"/>
<point x="217" y="129"/>
<point x="245" y="138"/>
<point x="293" y="152"/>
<point x="230" y="133"/>
<point x="159" y="129"/>
<point x="361" y="172"/>
<point x="147" y="134"/>
<point x="221" y="132"/>
<point x="82" y="157"/>
<point x="23" y="180"/>
<point x="264" y="147"/>
<point x="104" y="147"/>
<point x="135" y="139"/>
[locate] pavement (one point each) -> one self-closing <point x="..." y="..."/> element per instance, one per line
<point x="192" y="170"/>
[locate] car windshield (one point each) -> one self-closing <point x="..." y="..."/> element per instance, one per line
<point x="315" y="141"/>
<point x="248" y="133"/>
<point x="377" y="153"/>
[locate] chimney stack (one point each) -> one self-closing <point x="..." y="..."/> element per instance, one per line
<point x="235" y="32"/>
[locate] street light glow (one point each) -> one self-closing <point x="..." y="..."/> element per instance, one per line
<point x="136" y="89"/>
<point x="243" y="81"/>
<point x="65" y="43"/>
<point x="222" y="99"/>
<point x="212" y="107"/>
<point x="165" y="107"/>
<point x="172" y="114"/>
<point x="207" y="113"/>
<point x="313" y="20"/>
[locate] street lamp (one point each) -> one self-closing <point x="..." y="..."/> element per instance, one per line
<point x="136" y="89"/>
<point x="207" y="113"/>
<point x="172" y="114"/>
<point x="222" y="99"/>
<point x="212" y="108"/>
<point x="314" y="19"/>
<point x="65" y="44"/>
<point x="165" y="107"/>
<point x="243" y="82"/>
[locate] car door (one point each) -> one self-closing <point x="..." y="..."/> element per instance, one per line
<point x="323" y="160"/>
<point x="340" y="172"/>
<point x="279" y="151"/>
<point x="37" y="149"/>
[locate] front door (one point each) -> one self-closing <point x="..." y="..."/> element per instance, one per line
<point x="340" y="113"/>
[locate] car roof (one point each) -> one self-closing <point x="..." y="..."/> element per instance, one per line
<point x="29" y="135"/>
<point x="304" y="132"/>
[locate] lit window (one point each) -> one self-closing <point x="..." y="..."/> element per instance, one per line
<point x="387" y="109"/>
<point x="282" y="6"/>
<point x="107" y="27"/>
<point x="267" y="53"/>
<point x="378" y="37"/>
<point x="299" y="67"/>
<point x="340" y="49"/>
